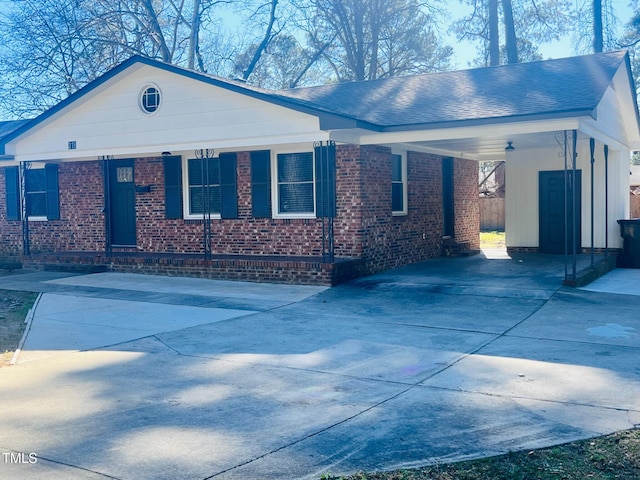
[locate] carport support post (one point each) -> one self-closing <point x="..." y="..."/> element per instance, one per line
<point x="592" y="146"/>
<point x="570" y="180"/>
<point x="606" y="201"/>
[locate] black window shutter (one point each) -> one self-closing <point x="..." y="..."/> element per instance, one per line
<point x="325" y="180"/>
<point x="173" y="187"/>
<point x="228" y="185"/>
<point x="12" y="184"/>
<point x="53" y="193"/>
<point x="261" y="184"/>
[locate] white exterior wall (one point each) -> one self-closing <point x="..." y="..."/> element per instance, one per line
<point x="521" y="206"/>
<point x="193" y="114"/>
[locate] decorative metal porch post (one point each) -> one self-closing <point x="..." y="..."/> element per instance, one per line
<point x="570" y="159"/>
<point x="326" y="204"/>
<point x="26" y="242"/>
<point x="204" y="155"/>
<point x="105" y="160"/>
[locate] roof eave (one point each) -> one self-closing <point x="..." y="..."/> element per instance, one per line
<point x="586" y="112"/>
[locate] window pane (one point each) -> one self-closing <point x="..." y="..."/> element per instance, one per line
<point x="36" y="180"/>
<point x="196" y="204"/>
<point x="397" y="197"/>
<point x="296" y="198"/>
<point x="151" y="99"/>
<point x="214" y="171"/>
<point x="396" y="168"/>
<point x="295" y="167"/>
<point x="195" y="171"/>
<point x="124" y="174"/>
<point x="36" y="204"/>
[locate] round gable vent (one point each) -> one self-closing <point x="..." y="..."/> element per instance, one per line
<point x="150" y="99"/>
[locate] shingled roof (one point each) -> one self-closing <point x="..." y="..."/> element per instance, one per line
<point x="562" y="88"/>
<point x="10" y="126"/>
<point x="544" y="89"/>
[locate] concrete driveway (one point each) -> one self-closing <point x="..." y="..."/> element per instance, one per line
<point x="141" y="377"/>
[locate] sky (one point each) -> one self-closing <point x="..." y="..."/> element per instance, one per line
<point x="464" y="53"/>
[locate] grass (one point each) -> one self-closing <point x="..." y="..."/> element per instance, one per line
<point x="492" y="239"/>
<point x="615" y="456"/>
<point x="14" y="307"/>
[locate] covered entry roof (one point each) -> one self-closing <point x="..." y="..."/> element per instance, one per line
<point x="474" y="113"/>
<point x="468" y="113"/>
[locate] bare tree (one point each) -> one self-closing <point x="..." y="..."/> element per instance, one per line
<point x="534" y="21"/>
<point x="595" y="27"/>
<point x="368" y="39"/>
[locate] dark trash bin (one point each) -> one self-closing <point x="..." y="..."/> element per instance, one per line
<point x="630" y="231"/>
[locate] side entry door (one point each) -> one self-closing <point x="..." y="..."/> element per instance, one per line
<point x="555" y="213"/>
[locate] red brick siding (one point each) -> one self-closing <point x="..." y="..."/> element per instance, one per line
<point x="10" y="231"/>
<point x="467" y="202"/>
<point x="242" y="236"/>
<point x="364" y="227"/>
<point x="392" y="241"/>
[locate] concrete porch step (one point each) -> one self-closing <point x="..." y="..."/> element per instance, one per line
<point x="10" y="264"/>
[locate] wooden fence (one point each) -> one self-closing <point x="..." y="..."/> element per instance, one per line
<point x="635" y="206"/>
<point x="492" y="213"/>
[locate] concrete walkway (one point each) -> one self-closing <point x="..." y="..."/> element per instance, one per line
<point x="141" y="377"/>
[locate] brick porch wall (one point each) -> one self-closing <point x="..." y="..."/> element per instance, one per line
<point x="391" y="241"/>
<point x="466" y="202"/>
<point x="364" y="227"/>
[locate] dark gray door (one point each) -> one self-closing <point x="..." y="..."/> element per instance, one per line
<point x="555" y="213"/>
<point x="122" y="197"/>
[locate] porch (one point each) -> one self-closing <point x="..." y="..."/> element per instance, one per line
<point x="302" y="270"/>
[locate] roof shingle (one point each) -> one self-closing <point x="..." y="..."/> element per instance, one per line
<point x="536" y="88"/>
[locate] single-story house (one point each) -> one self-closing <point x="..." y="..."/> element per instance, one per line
<point x="159" y="169"/>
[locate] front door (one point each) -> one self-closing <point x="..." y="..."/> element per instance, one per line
<point x="122" y="203"/>
<point x="555" y="213"/>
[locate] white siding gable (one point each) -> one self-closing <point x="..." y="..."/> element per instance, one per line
<point x="192" y="114"/>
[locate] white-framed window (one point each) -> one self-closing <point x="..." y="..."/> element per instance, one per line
<point x="36" y="193"/>
<point x="149" y="99"/>
<point x="201" y="181"/>
<point x="294" y="185"/>
<point x="399" y="183"/>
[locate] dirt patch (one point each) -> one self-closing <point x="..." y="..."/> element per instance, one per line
<point x="14" y="307"/>
<point x="615" y="456"/>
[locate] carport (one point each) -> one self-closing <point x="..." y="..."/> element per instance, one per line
<point x="565" y="129"/>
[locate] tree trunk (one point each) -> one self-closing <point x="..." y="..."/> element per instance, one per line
<point x="510" y="32"/>
<point x="268" y="36"/>
<point x="598" y="35"/>
<point x="494" y="35"/>
<point x="195" y="34"/>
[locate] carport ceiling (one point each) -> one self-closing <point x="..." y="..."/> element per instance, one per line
<point x="488" y="148"/>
